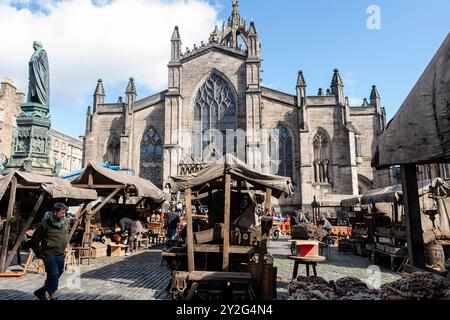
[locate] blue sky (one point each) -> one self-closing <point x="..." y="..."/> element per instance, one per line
<point x="315" y="36"/>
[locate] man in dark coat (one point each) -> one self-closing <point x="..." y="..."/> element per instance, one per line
<point x="49" y="244"/>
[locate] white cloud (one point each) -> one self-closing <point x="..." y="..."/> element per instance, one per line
<point x="87" y="40"/>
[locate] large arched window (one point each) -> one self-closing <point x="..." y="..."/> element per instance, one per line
<point x="113" y="151"/>
<point x="321" y="157"/>
<point x="280" y="152"/>
<point x="214" y="114"/>
<point x="152" y="157"/>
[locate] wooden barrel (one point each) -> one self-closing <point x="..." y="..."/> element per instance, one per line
<point x="434" y="256"/>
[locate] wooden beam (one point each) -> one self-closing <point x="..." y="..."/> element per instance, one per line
<point x="25" y="228"/>
<point x="413" y="216"/>
<point x="109" y="198"/>
<point x="269" y="199"/>
<point x="90" y="178"/>
<point x="190" y="231"/>
<point x="227" y="222"/>
<point x="9" y="214"/>
<point x="99" y="186"/>
<point x="79" y="217"/>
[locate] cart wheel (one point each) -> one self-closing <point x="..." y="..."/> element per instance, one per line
<point x="275" y="235"/>
<point x="293" y="248"/>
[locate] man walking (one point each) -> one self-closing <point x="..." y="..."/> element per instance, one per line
<point x="49" y="244"/>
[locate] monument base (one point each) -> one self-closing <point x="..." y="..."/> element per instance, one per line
<point x="31" y="147"/>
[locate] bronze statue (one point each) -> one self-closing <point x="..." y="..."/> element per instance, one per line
<point x="39" y="80"/>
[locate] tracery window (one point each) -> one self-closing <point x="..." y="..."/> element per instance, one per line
<point x="113" y="151"/>
<point x="152" y="157"/>
<point x="214" y="114"/>
<point x="280" y="152"/>
<point x="321" y="157"/>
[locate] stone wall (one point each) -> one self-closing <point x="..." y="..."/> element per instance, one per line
<point x="10" y="101"/>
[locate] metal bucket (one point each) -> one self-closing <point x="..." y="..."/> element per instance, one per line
<point x="435" y="257"/>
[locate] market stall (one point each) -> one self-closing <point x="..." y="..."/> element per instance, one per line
<point x="419" y="134"/>
<point x="120" y="195"/>
<point x="25" y="197"/>
<point x="239" y="226"/>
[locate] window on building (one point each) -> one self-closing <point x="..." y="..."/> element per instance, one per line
<point x="152" y="157"/>
<point x="321" y="157"/>
<point x="280" y="152"/>
<point x="113" y="151"/>
<point x="214" y="114"/>
<point x="358" y="151"/>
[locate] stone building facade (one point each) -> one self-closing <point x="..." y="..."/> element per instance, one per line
<point x="10" y="100"/>
<point x="68" y="150"/>
<point x="214" y="91"/>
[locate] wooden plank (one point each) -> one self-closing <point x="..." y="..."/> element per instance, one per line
<point x="227" y="223"/>
<point x="25" y="228"/>
<point x="208" y="235"/>
<point x="220" y="276"/>
<point x="210" y="248"/>
<point x="413" y="216"/>
<point x="9" y="214"/>
<point x="190" y="231"/>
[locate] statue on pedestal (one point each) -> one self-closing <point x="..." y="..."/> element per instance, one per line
<point x="39" y="80"/>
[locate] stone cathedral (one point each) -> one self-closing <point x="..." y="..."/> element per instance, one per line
<point x="215" y="104"/>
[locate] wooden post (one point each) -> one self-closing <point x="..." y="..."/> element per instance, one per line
<point x="413" y="216"/>
<point x="263" y="246"/>
<point x="9" y="214"/>
<point x="227" y="222"/>
<point x="190" y="231"/>
<point x="268" y="199"/>
<point x="90" y="179"/>
<point x="24" y="229"/>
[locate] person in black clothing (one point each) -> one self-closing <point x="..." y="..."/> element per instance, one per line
<point x="172" y="220"/>
<point x="49" y="244"/>
<point x="294" y="219"/>
<point x="128" y="226"/>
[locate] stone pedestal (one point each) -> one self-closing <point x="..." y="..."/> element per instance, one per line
<point x="31" y="141"/>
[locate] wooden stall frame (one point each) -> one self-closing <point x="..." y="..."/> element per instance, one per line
<point x="9" y="214"/>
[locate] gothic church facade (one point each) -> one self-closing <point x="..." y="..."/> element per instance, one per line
<point x="215" y="103"/>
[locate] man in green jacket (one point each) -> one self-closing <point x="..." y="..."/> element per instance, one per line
<point x="49" y="243"/>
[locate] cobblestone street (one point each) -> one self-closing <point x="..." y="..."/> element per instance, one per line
<point x="142" y="277"/>
<point x="337" y="266"/>
<point x="139" y="277"/>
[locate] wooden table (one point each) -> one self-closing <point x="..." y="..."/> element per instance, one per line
<point x="308" y="261"/>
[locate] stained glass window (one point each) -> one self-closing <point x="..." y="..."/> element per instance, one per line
<point x="214" y="114"/>
<point x="152" y="157"/>
<point x="280" y="152"/>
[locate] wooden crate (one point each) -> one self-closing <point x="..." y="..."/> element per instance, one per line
<point x="117" y="250"/>
<point x="99" y="250"/>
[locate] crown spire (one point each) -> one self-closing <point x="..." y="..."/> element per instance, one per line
<point x="131" y="88"/>
<point x="99" y="90"/>
<point x="374" y="94"/>
<point x="337" y="80"/>
<point x="301" y="79"/>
